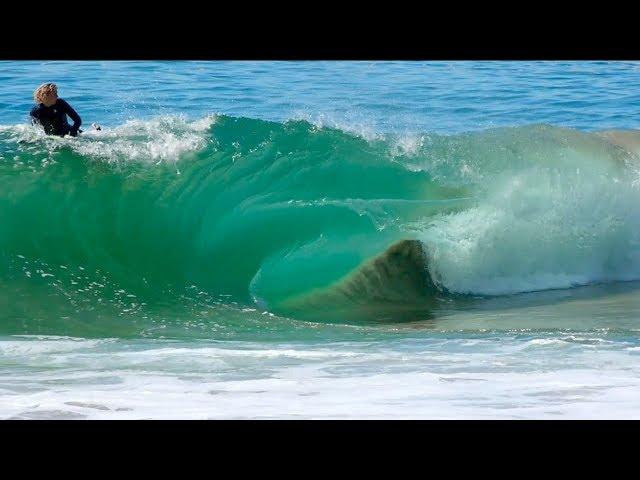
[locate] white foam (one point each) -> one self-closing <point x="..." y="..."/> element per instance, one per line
<point x="159" y="139"/>
<point x="443" y="377"/>
<point x="538" y="229"/>
<point x="36" y="345"/>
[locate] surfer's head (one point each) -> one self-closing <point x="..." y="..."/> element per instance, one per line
<point x="47" y="94"/>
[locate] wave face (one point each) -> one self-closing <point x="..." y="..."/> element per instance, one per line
<point x="272" y="213"/>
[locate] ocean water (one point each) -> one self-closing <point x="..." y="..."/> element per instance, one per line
<point x="322" y="240"/>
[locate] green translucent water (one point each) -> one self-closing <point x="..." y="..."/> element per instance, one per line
<point x="254" y="219"/>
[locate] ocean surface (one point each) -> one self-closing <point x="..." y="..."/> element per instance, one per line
<point x="322" y="240"/>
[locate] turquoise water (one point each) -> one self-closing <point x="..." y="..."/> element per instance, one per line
<point x="263" y="239"/>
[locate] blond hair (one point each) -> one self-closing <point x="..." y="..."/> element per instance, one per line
<point x="44" y="90"/>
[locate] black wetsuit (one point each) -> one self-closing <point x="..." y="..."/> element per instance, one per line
<point x="54" y="118"/>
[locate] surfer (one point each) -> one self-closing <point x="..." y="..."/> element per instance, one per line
<point x="51" y="112"/>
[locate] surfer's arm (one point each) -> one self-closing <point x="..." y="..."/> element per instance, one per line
<point x="77" y="121"/>
<point x="34" y="117"/>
